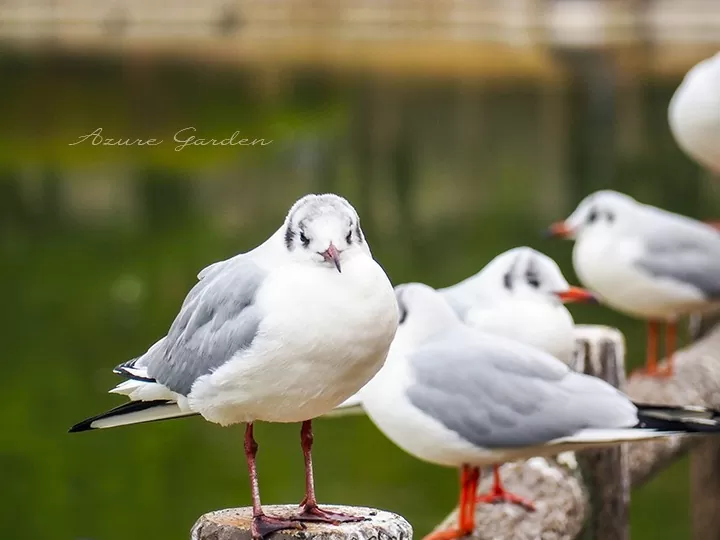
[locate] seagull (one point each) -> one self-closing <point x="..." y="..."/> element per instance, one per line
<point x="644" y="261"/>
<point x="520" y="294"/>
<point x="282" y="333"/>
<point x="452" y="396"/>
<point x="694" y="113"/>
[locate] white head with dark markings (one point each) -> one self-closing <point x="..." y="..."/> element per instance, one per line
<point x="323" y="229"/>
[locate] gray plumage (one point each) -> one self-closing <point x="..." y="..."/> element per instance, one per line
<point x="693" y="259"/>
<point x="217" y="320"/>
<point x="496" y="393"/>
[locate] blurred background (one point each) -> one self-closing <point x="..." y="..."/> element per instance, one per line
<point x="458" y="129"/>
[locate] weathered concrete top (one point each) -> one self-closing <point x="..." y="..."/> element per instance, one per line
<point x="234" y="524"/>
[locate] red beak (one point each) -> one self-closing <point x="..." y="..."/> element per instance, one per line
<point x="332" y="254"/>
<point x="576" y="294"/>
<point x="559" y="230"/>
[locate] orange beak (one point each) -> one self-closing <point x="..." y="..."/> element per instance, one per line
<point x="576" y="294"/>
<point x="559" y="230"/>
<point x="332" y="254"/>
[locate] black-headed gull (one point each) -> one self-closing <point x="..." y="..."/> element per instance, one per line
<point x="282" y="333"/>
<point x="453" y="396"/>
<point x="644" y="261"/>
<point x="694" y="113"/>
<point x="520" y="295"/>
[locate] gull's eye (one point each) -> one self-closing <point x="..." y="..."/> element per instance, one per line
<point x="348" y="238"/>
<point x="304" y="239"/>
<point x="592" y="216"/>
<point x="534" y="282"/>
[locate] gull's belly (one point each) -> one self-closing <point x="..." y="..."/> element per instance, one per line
<point x="312" y="353"/>
<point x="609" y="271"/>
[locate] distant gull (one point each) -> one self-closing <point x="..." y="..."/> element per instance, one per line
<point x="282" y="333"/>
<point x="644" y="261"/>
<point x="453" y="396"/>
<point x="520" y="295"/>
<point x="694" y="113"/>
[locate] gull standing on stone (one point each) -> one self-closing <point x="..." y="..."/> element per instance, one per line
<point x="452" y="396"/>
<point x="282" y="333"/>
<point x="644" y="261"/>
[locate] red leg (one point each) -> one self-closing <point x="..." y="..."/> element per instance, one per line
<point x="498" y="494"/>
<point x="652" y="348"/>
<point x="309" y="510"/>
<point x="670" y="348"/>
<point x="469" y="477"/>
<point x="262" y="525"/>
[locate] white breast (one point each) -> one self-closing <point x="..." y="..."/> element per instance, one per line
<point x="539" y="324"/>
<point x="325" y="334"/>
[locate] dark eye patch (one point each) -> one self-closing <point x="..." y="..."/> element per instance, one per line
<point x="403" y="313"/>
<point x="348" y="238"/>
<point x="592" y="216"/>
<point x="304" y="239"/>
<point x="507" y="281"/>
<point x="532" y="276"/>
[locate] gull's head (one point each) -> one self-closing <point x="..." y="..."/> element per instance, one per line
<point x="323" y="229"/>
<point x="423" y="312"/>
<point x="524" y="273"/>
<point x="602" y="212"/>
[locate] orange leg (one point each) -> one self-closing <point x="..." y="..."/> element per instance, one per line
<point x="670" y="348"/>
<point x="498" y="494"/>
<point x="652" y="348"/>
<point x="469" y="478"/>
<point x="651" y="364"/>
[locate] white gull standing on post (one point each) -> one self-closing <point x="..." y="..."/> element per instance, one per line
<point x="520" y="294"/>
<point x="644" y="261"/>
<point x="452" y="396"/>
<point x="282" y="333"/>
<point x="694" y="113"/>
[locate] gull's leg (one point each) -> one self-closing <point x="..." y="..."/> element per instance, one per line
<point x="652" y="348"/>
<point x="262" y="525"/>
<point x="473" y="481"/>
<point x="670" y="348"/>
<point x="469" y="477"/>
<point x="309" y="510"/>
<point x="498" y="494"/>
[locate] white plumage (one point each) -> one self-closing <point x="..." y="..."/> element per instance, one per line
<point x="694" y="113"/>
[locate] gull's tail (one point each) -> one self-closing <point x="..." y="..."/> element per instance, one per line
<point x="654" y="421"/>
<point x="687" y="419"/>
<point x="133" y="412"/>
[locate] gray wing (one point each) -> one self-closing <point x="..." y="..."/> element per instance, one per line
<point x="496" y="393"/>
<point x="678" y="254"/>
<point x="218" y="318"/>
<point x="216" y="267"/>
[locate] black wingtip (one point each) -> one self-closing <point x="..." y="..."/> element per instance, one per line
<point x="125" y="408"/>
<point x="688" y="419"/>
<point x="85" y="425"/>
